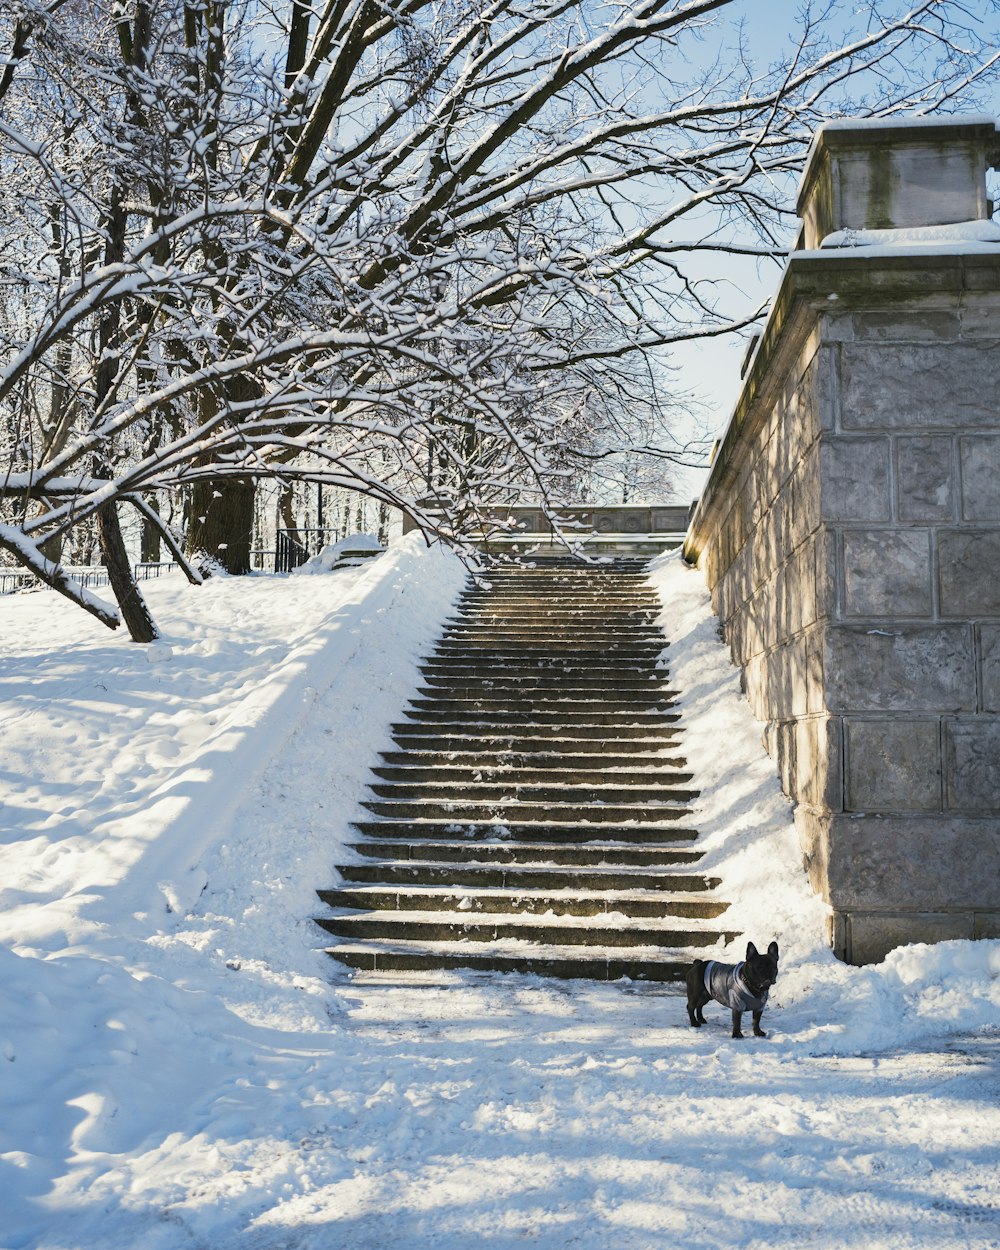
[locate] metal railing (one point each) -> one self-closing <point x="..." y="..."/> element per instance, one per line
<point x="296" y="546"/>
<point x="90" y="576"/>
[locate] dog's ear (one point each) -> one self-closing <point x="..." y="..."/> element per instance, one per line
<point x="772" y="950"/>
<point x="751" y="950"/>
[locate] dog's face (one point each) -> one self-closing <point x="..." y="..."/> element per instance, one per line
<point x="762" y="970"/>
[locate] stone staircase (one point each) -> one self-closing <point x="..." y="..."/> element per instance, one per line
<point x="536" y="815"/>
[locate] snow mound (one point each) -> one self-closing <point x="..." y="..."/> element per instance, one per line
<point x="905" y="238"/>
<point x="332" y="555"/>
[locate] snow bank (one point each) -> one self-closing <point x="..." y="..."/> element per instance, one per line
<point x="750" y="841"/>
<point x="333" y="553"/>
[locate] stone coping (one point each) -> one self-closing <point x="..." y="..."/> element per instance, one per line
<point x="814" y="282"/>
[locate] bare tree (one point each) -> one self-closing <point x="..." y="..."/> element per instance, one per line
<point x="394" y="246"/>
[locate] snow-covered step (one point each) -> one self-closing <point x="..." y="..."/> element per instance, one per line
<point x="489" y="901"/>
<point x="465" y="810"/>
<point x="508" y="790"/>
<point x="428" y="851"/>
<point x="524" y="701"/>
<point x="489" y="829"/>
<point x="607" y="930"/>
<point x="562" y="674"/>
<point x="547" y="740"/>
<point x="450" y="774"/>
<point x="599" y="723"/>
<point x="542" y="960"/>
<point x="537" y="761"/>
<point x="520" y="876"/>
<point x="536" y="686"/>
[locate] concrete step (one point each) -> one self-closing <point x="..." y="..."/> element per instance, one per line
<point x="463" y="748"/>
<point x="488" y="831"/>
<point x="549" y="616"/>
<point x="503" y="811"/>
<point x="574" y="855"/>
<point x="662" y="789"/>
<point x="595" y="631"/>
<point x="551" y="670"/>
<point x="538" y="761"/>
<point x="540" y="649"/>
<point x="627" y="703"/>
<point x="637" y="718"/>
<point x="500" y="686"/>
<point x="455" y="775"/>
<point x="544" y="961"/>
<point x="606" y="931"/>
<point x="454" y="736"/>
<point x="497" y="901"/>
<point x="582" y="579"/>
<point x="578" y="585"/>
<point x="596" y="658"/>
<point x="520" y="877"/>
<point x="572" y="596"/>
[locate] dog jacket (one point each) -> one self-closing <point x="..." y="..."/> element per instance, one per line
<point x="726" y="985"/>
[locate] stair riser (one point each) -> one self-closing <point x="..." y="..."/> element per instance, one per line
<point x="477" y="834"/>
<point x="608" y="935"/>
<point x="607" y="619"/>
<point x="501" y="813"/>
<point x="521" y="878"/>
<point x="643" y="704"/>
<point x="525" y="904"/>
<point x="515" y="854"/>
<point x="557" y="671"/>
<point x="625" y="723"/>
<point x="589" y="969"/>
<point x="489" y="792"/>
<point x="501" y="683"/>
<point x="597" y="635"/>
<point x="538" y="601"/>
<point x="539" y="648"/>
<point x="538" y="763"/>
<point x="470" y="777"/>
<point x="541" y="738"/>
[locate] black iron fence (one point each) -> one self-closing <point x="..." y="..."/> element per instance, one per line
<point x="90" y="576"/>
<point x="296" y="546"/>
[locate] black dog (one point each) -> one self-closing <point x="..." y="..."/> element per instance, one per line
<point x="740" y="987"/>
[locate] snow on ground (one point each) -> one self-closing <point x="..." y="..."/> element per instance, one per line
<point x="181" y="1067"/>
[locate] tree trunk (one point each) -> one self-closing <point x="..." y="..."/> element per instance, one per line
<point x="221" y="526"/>
<point x="134" y="612"/>
<point x="149" y="542"/>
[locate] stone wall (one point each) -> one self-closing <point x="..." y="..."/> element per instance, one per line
<point x="850" y="534"/>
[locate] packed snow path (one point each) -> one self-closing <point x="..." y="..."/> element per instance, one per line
<point x="182" y="1068"/>
<point x="537" y="815"/>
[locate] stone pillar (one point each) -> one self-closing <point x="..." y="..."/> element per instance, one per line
<point x="850" y="533"/>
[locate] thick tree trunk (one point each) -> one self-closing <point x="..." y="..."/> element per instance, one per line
<point x="133" y="608"/>
<point x="221" y="521"/>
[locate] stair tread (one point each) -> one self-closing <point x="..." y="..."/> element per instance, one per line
<point x="526" y="946"/>
<point x="543" y="856"/>
<point x="361" y="890"/>
<point x="555" y="870"/>
<point x="507" y="831"/>
<point x="525" y="920"/>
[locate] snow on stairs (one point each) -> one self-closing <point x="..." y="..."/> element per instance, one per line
<point x="536" y="816"/>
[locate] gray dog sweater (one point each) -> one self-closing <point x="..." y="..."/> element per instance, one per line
<point x="726" y="985"/>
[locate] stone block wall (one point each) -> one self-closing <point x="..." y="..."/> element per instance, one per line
<point x="850" y="534"/>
